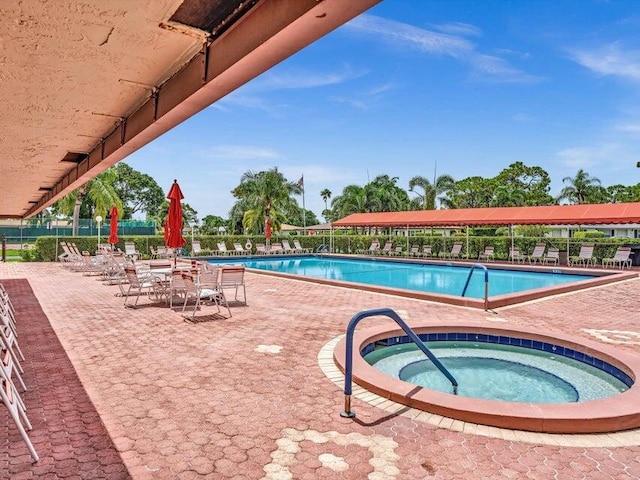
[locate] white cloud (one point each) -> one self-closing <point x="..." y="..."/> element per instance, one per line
<point x="304" y="79"/>
<point x="442" y="44"/>
<point x="241" y="152"/>
<point x="611" y="60"/>
<point x="523" y="117"/>
<point x="633" y="128"/>
<point x="599" y="155"/>
<point x="459" y="28"/>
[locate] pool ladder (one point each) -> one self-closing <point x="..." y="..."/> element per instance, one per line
<point x="486" y="283"/>
<point x="348" y="369"/>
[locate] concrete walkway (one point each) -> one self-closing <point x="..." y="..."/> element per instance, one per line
<point x="245" y="398"/>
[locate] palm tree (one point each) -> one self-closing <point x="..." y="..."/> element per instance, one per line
<point x="578" y="188"/>
<point x="326" y="195"/>
<point x="100" y="191"/>
<point x="430" y="191"/>
<point x="268" y="194"/>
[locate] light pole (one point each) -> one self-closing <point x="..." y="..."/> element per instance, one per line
<point x="98" y="221"/>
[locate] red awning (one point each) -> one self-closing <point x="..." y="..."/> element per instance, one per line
<point x="607" y="213"/>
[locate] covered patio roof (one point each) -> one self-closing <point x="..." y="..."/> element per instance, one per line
<point x="86" y="83"/>
<point x="609" y="213"/>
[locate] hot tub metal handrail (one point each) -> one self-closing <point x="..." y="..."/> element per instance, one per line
<point x="348" y="370"/>
<point x="486" y="283"/>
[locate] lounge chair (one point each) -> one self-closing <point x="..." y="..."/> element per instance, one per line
<point x="538" y="253"/>
<point x="130" y="251"/>
<point x="222" y="249"/>
<point x="299" y="248"/>
<point x="240" y="250"/>
<point x="373" y="248"/>
<point x="276" y="247"/>
<point x="456" y="251"/>
<point x="197" y="251"/>
<point x="414" y="251"/>
<point x="427" y="251"/>
<point x="552" y="256"/>
<point x="261" y="249"/>
<point x="386" y="250"/>
<point x="516" y="256"/>
<point x="287" y="248"/>
<point x="622" y="258"/>
<point x="488" y="254"/>
<point x="584" y="257"/>
<point x="397" y="251"/>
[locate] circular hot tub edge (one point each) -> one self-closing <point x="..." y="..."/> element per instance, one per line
<point x="612" y="414"/>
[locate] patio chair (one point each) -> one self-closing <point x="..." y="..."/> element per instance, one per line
<point x="198" y="292"/>
<point x="414" y="251"/>
<point x="233" y="277"/>
<point x="456" y="251"/>
<point x="261" y="249"/>
<point x="397" y="251"/>
<point x="622" y="258"/>
<point x="240" y="250"/>
<point x="516" y="256"/>
<point x="210" y="281"/>
<point x="11" y="399"/>
<point x="222" y="249"/>
<point x="373" y="248"/>
<point x="130" y="251"/>
<point x="488" y="254"/>
<point x="538" y="253"/>
<point x="286" y="247"/>
<point x="197" y="250"/>
<point x="386" y="249"/>
<point x="276" y="247"/>
<point x="584" y="257"/>
<point x="299" y="248"/>
<point x="427" y="251"/>
<point x="138" y="283"/>
<point x="552" y="256"/>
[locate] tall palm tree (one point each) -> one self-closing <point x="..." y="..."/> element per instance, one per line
<point x="267" y="194"/>
<point x="578" y="188"/>
<point x="100" y="191"/>
<point x="430" y="191"/>
<point x="326" y="195"/>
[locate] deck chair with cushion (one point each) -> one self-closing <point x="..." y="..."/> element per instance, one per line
<point x="622" y="258"/>
<point x="488" y="254"/>
<point x="538" y="253"/>
<point x="584" y="257"/>
<point x="552" y="256"/>
<point x="222" y="249"/>
<point x="414" y="251"/>
<point x="286" y="246"/>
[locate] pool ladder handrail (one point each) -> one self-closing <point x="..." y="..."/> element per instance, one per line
<point x="348" y="366"/>
<point x="486" y="283"/>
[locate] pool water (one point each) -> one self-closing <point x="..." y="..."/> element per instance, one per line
<point x="498" y="372"/>
<point x="440" y="279"/>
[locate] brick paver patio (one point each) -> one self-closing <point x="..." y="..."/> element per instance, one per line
<point x="245" y="398"/>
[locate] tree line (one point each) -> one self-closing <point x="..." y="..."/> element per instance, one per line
<point x="269" y="195"/>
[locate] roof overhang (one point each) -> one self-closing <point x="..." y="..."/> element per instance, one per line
<point x="83" y="87"/>
<point x="596" y="214"/>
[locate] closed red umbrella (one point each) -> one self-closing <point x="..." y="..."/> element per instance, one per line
<point x="267" y="232"/>
<point x="113" y="226"/>
<point x="174" y="219"/>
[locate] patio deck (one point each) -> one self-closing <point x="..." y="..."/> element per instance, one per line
<point x="245" y="397"/>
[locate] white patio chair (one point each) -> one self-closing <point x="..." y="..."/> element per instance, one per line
<point x="233" y="277"/>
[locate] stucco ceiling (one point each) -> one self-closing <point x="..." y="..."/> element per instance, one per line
<point x="85" y="83"/>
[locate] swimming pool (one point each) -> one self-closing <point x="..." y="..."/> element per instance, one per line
<point x="440" y="281"/>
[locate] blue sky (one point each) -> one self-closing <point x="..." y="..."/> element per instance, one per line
<point x="472" y="85"/>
